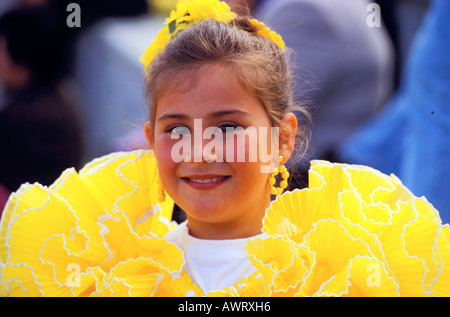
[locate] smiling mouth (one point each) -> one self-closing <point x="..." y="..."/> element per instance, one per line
<point x="205" y="182"/>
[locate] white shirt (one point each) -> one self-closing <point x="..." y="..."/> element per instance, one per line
<point x="213" y="264"/>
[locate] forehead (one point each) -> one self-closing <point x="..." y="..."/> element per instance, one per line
<point x="206" y="76"/>
<point x="210" y="88"/>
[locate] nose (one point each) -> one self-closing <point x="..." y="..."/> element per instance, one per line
<point x="207" y="146"/>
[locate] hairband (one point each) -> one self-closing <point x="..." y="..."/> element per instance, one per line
<point x="189" y="12"/>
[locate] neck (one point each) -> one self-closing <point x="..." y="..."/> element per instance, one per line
<point x="221" y="231"/>
<point x="249" y="224"/>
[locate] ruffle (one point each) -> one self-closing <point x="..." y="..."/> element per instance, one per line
<point x="359" y="233"/>
<point x="94" y="233"/>
<point x="99" y="232"/>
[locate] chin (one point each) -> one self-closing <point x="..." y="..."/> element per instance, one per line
<point x="208" y="211"/>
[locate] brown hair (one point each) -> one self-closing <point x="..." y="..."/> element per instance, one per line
<point x="259" y="64"/>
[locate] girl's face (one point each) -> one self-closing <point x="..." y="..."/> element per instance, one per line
<point x="221" y="199"/>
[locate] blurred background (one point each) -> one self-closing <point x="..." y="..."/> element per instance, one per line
<point x="71" y="94"/>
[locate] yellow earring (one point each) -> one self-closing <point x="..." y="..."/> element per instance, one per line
<point x="281" y="169"/>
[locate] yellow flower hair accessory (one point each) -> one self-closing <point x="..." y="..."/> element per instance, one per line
<point x="189" y="12"/>
<point x="263" y="30"/>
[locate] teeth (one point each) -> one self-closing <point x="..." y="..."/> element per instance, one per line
<point x="207" y="180"/>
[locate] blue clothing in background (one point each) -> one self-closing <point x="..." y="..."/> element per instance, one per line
<point x="411" y="136"/>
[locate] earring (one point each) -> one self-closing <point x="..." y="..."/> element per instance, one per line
<point x="281" y="169"/>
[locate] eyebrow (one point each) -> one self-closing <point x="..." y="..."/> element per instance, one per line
<point x="173" y="116"/>
<point x="216" y="114"/>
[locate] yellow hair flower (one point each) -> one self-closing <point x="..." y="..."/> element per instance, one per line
<point x="263" y="30"/>
<point x="189" y="12"/>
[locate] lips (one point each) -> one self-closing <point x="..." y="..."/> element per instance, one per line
<point x="205" y="181"/>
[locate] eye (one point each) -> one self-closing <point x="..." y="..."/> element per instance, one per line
<point x="176" y="131"/>
<point x="229" y="127"/>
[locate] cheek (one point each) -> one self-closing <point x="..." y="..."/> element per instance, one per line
<point x="250" y="159"/>
<point x="249" y="179"/>
<point x="166" y="164"/>
<point x="240" y="147"/>
<point x="254" y="146"/>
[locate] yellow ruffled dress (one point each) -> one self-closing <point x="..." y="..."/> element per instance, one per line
<point x="99" y="232"/>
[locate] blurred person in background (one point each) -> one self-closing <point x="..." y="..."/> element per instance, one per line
<point x="4" y="195"/>
<point x="90" y="12"/>
<point x="6" y="5"/>
<point x="411" y="136"/>
<point x="93" y="11"/>
<point x="344" y="68"/>
<point x="40" y="130"/>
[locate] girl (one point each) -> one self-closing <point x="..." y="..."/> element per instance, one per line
<point x="228" y="76"/>
<point x="212" y="73"/>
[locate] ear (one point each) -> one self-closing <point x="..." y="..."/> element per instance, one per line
<point x="288" y="130"/>
<point x="149" y="134"/>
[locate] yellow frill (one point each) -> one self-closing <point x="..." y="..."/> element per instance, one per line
<point x="96" y="233"/>
<point x="353" y="232"/>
